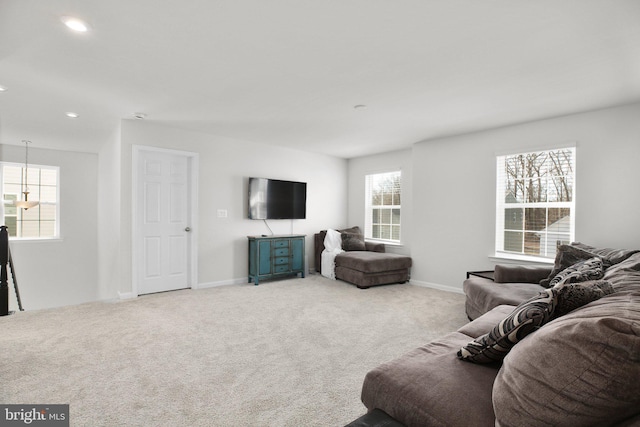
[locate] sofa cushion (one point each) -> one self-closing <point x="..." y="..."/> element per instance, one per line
<point x="372" y="262"/>
<point x="585" y="370"/>
<point x="353" y="242"/>
<point x="482" y="295"/>
<point x="367" y="280"/>
<point x="520" y="273"/>
<point x="613" y="256"/>
<point x="589" y="269"/>
<point x="355" y="230"/>
<point x="625" y="276"/>
<point x="486" y="322"/>
<point x="427" y="386"/>
<point x="352" y="230"/>
<point x="526" y="318"/>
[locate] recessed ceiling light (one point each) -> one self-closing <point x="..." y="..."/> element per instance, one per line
<point x="139" y="116"/>
<point x="359" y="107"/>
<point x="3" y="89"/>
<point x="75" y="24"/>
<point x="72" y="115"/>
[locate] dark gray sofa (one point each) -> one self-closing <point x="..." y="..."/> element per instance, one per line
<point x="369" y="265"/>
<point x="580" y="369"/>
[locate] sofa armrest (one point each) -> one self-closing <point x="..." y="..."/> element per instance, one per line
<point x="375" y="247"/>
<point x="318" y="244"/>
<point x="521" y="273"/>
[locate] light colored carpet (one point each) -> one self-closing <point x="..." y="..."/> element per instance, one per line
<point x="285" y="353"/>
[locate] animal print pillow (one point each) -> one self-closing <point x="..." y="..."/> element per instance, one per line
<point x="589" y="269"/>
<point x="575" y="295"/>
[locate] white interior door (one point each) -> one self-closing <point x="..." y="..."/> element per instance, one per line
<point x="163" y="228"/>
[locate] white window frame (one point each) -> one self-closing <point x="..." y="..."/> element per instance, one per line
<point x="368" y="221"/>
<point x="501" y="206"/>
<point x="56" y="235"/>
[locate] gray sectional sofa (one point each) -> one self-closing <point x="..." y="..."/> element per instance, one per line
<point x="575" y="368"/>
<point x="511" y="285"/>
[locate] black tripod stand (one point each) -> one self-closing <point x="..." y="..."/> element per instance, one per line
<point x="5" y="258"/>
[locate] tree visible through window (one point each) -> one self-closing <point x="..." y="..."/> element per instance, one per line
<point x="382" y="206"/>
<point x="40" y="221"/>
<point x="535" y="202"/>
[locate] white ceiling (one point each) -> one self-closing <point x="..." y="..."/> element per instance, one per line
<point x="289" y="72"/>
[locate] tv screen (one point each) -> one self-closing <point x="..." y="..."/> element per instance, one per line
<point x="276" y="199"/>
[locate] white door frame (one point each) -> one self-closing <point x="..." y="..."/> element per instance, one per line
<point x="136" y="233"/>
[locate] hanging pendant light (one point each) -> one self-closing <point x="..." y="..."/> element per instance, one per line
<point x="26" y="204"/>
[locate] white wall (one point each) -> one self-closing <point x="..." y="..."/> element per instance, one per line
<point x="61" y="272"/>
<point x="359" y="168"/>
<point x="448" y="201"/>
<point x="454" y="189"/>
<point x="224" y="167"/>
<point x="109" y="233"/>
<point x="92" y="260"/>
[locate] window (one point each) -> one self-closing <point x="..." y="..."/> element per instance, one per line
<point x="535" y="202"/>
<point x="382" y="206"/>
<point x="40" y="221"/>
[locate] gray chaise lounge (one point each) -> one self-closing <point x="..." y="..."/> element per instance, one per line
<point x="369" y="266"/>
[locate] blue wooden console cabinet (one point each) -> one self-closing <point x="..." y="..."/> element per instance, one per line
<point x="272" y="257"/>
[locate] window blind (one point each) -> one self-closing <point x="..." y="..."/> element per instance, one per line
<point x="383" y="192"/>
<point x="535" y="202"/>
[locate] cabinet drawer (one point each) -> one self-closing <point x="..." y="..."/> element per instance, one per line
<point x="281" y="268"/>
<point x="281" y="244"/>
<point x="281" y="261"/>
<point x="281" y="252"/>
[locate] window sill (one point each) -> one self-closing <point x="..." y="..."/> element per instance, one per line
<point x="519" y="259"/>
<point x="36" y="240"/>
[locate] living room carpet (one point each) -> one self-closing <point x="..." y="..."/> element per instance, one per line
<point x="284" y="353"/>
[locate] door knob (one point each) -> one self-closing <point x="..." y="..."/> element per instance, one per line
<point x="187" y="229"/>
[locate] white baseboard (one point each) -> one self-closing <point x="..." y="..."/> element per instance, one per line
<point x="126" y="295"/>
<point x="205" y="285"/>
<point x="240" y="281"/>
<point x="436" y="286"/>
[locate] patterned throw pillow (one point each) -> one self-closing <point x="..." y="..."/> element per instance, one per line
<point x="566" y="256"/>
<point x="526" y="318"/>
<point x="590" y="269"/>
<point x="574" y="295"/>
<point x="531" y="315"/>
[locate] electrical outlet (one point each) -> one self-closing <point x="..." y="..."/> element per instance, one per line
<point x="222" y="213"/>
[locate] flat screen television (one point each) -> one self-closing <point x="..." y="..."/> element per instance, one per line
<point x="276" y="199"/>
